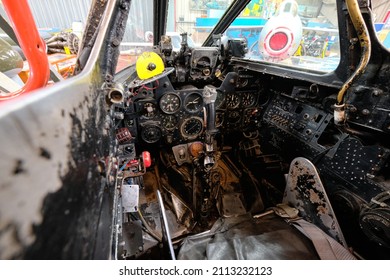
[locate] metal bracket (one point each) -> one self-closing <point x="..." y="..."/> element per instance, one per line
<point x="130" y="197"/>
<point x="305" y="192"/>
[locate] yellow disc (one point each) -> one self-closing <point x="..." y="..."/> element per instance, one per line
<point x="148" y="65"/>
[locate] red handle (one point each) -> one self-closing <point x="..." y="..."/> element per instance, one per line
<point x="31" y="43"/>
<point x="147" y="159"/>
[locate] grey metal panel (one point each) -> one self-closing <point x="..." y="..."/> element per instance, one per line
<point x="140" y="21"/>
<point x="380" y="9"/>
<point x="59" y="13"/>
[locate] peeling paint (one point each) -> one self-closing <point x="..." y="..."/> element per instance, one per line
<point x="305" y="192"/>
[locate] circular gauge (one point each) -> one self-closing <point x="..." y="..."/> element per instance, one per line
<point x="193" y="102"/>
<point x="234" y="117"/>
<point x="151" y="134"/>
<point x="191" y="128"/>
<point x="248" y="99"/>
<point x="220" y="99"/>
<point x="169" y="122"/>
<point x="149" y="110"/>
<point x="170" y="103"/>
<point x="250" y="116"/>
<point x="219" y="118"/>
<point x="263" y="98"/>
<point x="232" y="100"/>
<point x="242" y="82"/>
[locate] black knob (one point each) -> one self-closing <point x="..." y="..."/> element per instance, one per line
<point x="151" y="66"/>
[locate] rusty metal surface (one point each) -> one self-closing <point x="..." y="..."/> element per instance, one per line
<point x="132" y="235"/>
<point x="183" y="213"/>
<point x="231" y="205"/>
<point x="304" y="191"/>
<point x="95" y="12"/>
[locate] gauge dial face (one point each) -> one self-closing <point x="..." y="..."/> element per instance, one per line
<point x="234" y="117"/>
<point x="263" y="98"/>
<point x="149" y="110"/>
<point x="169" y="122"/>
<point x="191" y="128"/>
<point x="250" y="116"/>
<point x="193" y="102"/>
<point x="219" y="116"/>
<point x="248" y="99"/>
<point x="151" y="134"/>
<point x="242" y="82"/>
<point x="170" y="103"/>
<point x="232" y="100"/>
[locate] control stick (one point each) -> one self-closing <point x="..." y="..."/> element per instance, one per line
<point x="209" y="97"/>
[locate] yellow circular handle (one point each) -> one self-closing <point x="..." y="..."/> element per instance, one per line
<point x="148" y="65"/>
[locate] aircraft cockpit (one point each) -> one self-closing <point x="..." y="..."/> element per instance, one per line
<point x="264" y="133"/>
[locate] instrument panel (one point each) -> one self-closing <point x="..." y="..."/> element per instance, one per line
<point x="166" y="114"/>
<point x="240" y="110"/>
<point x="175" y="116"/>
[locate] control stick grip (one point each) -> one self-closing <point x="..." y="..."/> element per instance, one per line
<point x="209" y="97"/>
<point x="210" y="109"/>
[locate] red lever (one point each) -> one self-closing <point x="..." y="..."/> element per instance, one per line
<point x="147" y="159"/>
<point x="31" y="43"/>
